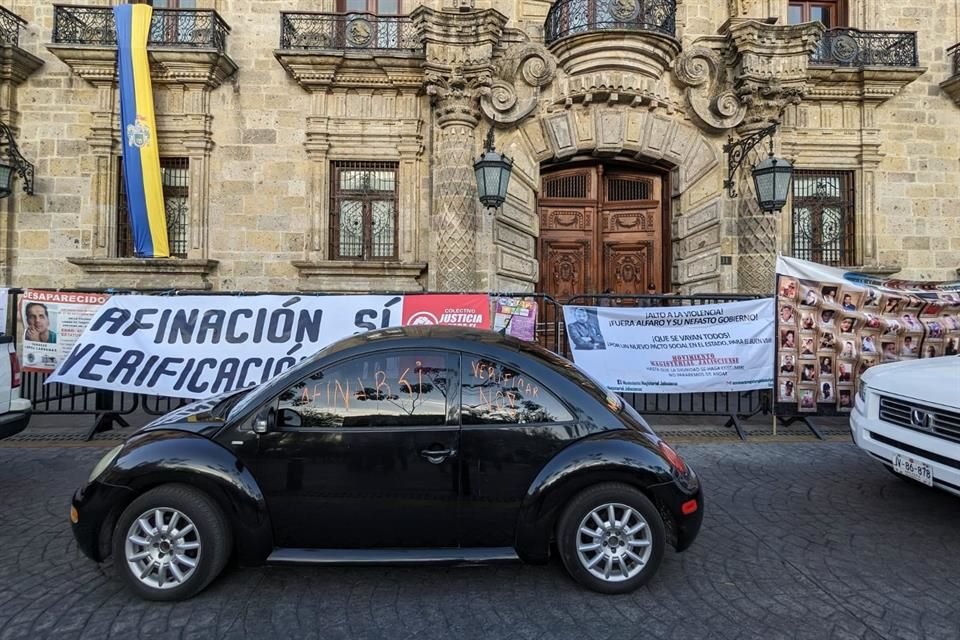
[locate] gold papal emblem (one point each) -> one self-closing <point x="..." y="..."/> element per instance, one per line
<point x="624" y="10"/>
<point x="138" y="135"/>
<point x="359" y="32"/>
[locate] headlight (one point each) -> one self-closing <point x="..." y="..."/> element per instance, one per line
<point x="104" y="463"/>
<point x="862" y="390"/>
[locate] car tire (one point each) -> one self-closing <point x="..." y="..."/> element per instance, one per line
<point x="611" y="554"/>
<point x="178" y="559"/>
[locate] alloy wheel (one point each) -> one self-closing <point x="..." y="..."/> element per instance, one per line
<point x="614" y="542"/>
<point x="162" y="548"/>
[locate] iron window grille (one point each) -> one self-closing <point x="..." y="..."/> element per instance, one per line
<point x="824" y="218"/>
<point x="175" y="176"/>
<point x="363" y="210"/>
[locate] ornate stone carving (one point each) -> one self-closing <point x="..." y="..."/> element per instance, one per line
<point x="757" y="235"/>
<point x="524" y="70"/>
<point x="455" y="96"/>
<point x="458" y="71"/>
<point x="709" y="93"/>
<point x="770" y="66"/>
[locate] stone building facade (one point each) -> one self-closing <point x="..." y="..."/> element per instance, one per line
<point x="328" y="145"/>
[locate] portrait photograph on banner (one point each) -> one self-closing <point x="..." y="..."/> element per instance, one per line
<point x="833" y="325"/>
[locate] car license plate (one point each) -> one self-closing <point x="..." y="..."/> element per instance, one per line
<point x="919" y="471"/>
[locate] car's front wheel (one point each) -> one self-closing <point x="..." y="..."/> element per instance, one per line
<point x="171" y="542"/>
<point x="611" y="538"/>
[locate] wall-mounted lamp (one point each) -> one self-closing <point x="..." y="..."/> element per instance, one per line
<point x="493" y="175"/>
<point x="771" y="177"/>
<point x="13" y="162"/>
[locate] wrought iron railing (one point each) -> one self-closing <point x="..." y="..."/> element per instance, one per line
<point x="569" y="17"/>
<point x="855" y="48"/>
<point x="10" y="24"/>
<point x="953" y="58"/>
<point x="347" y="31"/>
<point x="191" y="28"/>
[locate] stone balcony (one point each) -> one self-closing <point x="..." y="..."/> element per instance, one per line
<point x="186" y="45"/>
<point x="350" y="49"/>
<point x="16" y="65"/>
<point x="952" y="84"/>
<point x="633" y="36"/>
<point x="870" y="66"/>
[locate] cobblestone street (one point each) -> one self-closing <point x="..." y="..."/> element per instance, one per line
<point x="800" y="540"/>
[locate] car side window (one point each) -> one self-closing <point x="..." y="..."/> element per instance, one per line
<point x="395" y="389"/>
<point x="494" y="393"/>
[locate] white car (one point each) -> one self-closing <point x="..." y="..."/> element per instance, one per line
<point x="14" y="410"/>
<point x="907" y="415"/>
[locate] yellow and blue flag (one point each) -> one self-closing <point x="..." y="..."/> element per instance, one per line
<point x="138" y="130"/>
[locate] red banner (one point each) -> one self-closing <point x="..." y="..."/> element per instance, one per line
<point x="463" y="310"/>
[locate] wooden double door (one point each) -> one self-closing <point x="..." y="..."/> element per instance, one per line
<point x="601" y="229"/>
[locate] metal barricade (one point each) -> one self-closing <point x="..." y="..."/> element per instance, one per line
<point x="109" y="407"/>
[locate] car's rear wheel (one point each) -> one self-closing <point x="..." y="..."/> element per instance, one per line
<point x="171" y="542"/>
<point x="611" y="538"/>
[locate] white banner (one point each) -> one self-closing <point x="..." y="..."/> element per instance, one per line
<point x="198" y="346"/>
<point x="715" y="347"/>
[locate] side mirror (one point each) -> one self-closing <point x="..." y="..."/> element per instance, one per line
<point x="289" y="418"/>
<point x="264" y="421"/>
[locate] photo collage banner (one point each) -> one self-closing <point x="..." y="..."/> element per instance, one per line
<point x="832" y="325"/>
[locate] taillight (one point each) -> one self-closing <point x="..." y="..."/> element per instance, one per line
<point x="14" y="370"/>
<point x="673" y="458"/>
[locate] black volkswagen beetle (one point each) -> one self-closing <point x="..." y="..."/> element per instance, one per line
<point x="415" y="444"/>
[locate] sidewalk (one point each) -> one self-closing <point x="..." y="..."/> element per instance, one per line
<point x="75" y="428"/>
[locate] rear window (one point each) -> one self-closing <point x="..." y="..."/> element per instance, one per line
<point x="572" y="371"/>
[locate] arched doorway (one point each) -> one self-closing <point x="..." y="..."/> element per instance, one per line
<point x="603" y="226"/>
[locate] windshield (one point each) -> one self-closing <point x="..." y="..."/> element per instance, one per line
<point x="243" y="400"/>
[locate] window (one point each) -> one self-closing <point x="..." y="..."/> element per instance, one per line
<point x="403" y="389"/>
<point x="376" y="7"/>
<point x="832" y="13"/>
<point x="175" y="176"/>
<point x="823" y="217"/>
<point x="493" y="393"/>
<point x="363" y="209"/>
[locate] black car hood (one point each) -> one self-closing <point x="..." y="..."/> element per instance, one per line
<point x="200" y="417"/>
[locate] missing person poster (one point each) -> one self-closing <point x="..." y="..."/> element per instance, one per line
<point x="52" y="323"/>
<point x="832" y="325"/>
<point x="713" y="347"/>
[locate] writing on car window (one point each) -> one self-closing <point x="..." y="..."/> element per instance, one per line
<point x="493" y="393"/>
<point x="384" y="390"/>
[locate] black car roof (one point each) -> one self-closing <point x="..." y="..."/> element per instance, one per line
<point x="427" y="332"/>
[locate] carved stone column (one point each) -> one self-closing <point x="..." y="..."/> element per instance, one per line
<point x="770" y="72"/>
<point x="457" y="72"/>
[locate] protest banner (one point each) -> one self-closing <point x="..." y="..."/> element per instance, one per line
<point x="516" y="316"/>
<point x="706" y="348"/>
<point x="53" y="321"/>
<point x="464" y="310"/>
<point x="833" y="324"/>
<point x="198" y="346"/>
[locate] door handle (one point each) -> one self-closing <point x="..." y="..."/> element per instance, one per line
<point x="436" y="456"/>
